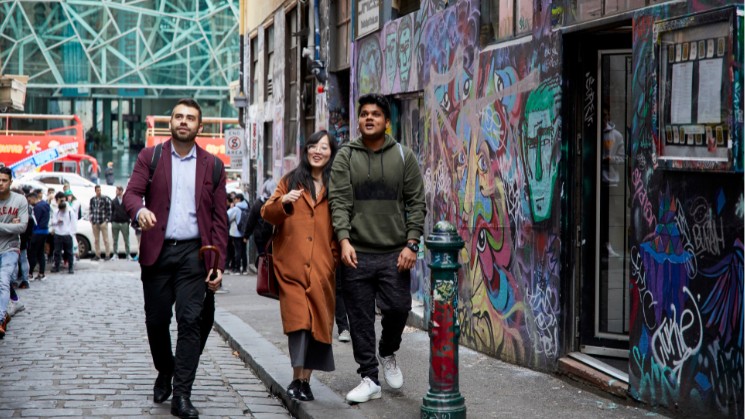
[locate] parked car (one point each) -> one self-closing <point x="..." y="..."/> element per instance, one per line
<point x="84" y="237"/>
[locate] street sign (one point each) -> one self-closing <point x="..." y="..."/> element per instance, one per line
<point x="253" y="143"/>
<point x="235" y="144"/>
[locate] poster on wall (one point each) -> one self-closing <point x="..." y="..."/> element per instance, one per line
<point x="368" y="17"/>
<point x="695" y="92"/>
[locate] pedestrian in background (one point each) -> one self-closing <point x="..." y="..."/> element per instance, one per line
<point x="376" y="182"/>
<point x="13" y="220"/>
<point x="109" y="173"/>
<point x="64" y="222"/>
<point x="299" y="208"/>
<point x="180" y="211"/>
<point x="93" y="173"/>
<point x="120" y="224"/>
<point x="39" y="236"/>
<point x="100" y="216"/>
<point x="235" y="214"/>
<point x="256" y="226"/>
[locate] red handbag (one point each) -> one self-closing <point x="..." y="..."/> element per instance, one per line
<point x="266" y="282"/>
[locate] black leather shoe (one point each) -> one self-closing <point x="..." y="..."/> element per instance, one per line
<point x="305" y="394"/>
<point x="181" y="406"/>
<point x="293" y="390"/>
<point x="162" y="388"/>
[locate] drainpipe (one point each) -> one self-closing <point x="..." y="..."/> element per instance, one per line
<point x="316" y="30"/>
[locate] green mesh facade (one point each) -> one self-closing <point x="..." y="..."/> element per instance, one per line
<point x="139" y="48"/>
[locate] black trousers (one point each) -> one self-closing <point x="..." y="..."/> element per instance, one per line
<point x="176" y="277"/>
<point x="63" y="244"/>
<point x="375" y="280"/>
<point x="240" y="257"/>
<point x="36" y="253"/>
<point x="342" y="323"/>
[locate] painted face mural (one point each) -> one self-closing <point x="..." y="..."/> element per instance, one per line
<point x="404" y="52"/>
<point x="369" y="66"/>
<point x="391" y="54"/>
<point x="541" y="130"/>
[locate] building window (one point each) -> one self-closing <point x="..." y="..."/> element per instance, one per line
<point x="254" y="51"/>
<point x="269" y="43"/>
<point x="341" y="35"/>
<point x="268" y="150"/>
<point x="403" y="7"/>
<point x="501" y="19"/>
<point x="292" y="40"/>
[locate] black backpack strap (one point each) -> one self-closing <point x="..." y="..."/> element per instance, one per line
<point x="216" y="172"/>
<point x="153" y="165"/>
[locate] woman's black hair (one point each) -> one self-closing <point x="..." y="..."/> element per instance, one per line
<point x="300" y="177"/>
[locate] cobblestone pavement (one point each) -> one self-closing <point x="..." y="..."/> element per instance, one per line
<point x="80" y="350"/>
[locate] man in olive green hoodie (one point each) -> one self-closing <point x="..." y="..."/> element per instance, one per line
<point x="378" y="209"/>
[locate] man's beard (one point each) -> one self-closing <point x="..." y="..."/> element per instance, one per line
<point x="184" y="139"/>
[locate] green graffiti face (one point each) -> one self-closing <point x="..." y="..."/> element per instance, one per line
<point x="540" y="147"/>
<point x="404" y="54"/>
<point x="391" y="55"/>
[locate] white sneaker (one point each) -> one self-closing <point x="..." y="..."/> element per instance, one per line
<point x="15" y="307"/>
<point x="115" y="257"/>
<point x="391" y="371"/>
<point x="344" y="336"/>
<point x="366" y="390"/>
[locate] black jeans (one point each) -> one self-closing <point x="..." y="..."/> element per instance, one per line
<point x="36" y="253"/>
<point x="63" y="244"/>
<point x="176" y="277"/>
<point x="376" y="279"/>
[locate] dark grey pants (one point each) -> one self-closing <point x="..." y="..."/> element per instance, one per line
<point x="375" y="280"/>
<point x="176" y="277"/>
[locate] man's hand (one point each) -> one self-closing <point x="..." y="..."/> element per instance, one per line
<point x="348" y="254"/>
<point x="214" y="284"/>
<point x="406" y="260"/>
<point x="146" y="219"/>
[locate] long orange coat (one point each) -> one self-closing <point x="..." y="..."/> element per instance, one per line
<point x="305" y="255"/>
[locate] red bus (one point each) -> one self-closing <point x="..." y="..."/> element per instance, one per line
<point x="57" y="149"/>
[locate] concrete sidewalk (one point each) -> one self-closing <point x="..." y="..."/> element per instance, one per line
<point x="492" y="388"/>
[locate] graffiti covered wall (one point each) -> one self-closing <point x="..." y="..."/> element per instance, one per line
<point x="686" y="270"/>
<point x="489" y="148"/>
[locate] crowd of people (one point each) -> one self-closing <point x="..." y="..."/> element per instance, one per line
<point x="343" y="227"/>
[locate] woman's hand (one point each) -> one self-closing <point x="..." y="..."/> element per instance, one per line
<point x="291" y="196"/>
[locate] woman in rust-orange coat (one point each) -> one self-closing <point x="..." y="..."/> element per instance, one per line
<point x="305" y="255"/>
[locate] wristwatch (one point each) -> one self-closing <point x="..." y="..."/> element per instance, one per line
<point x="414" y="247"/>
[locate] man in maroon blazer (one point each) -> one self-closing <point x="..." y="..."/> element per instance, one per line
<point x="179" y="212"/>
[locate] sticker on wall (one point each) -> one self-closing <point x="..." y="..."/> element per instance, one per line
<point x="709" y="48"/>
<point x="702" y="49"/>
<point x="676" y="135"/>
<point x="678" y="52"/>
<point x="670" y="53"/>
<point x="685" y="51"/>
<point x="668" y="134"/>
<point x="694" y="50"/>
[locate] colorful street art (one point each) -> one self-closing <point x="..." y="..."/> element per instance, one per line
<point x="489" y="148"/>
<point x="686" y="270"/>
<point x="490" y="151"/>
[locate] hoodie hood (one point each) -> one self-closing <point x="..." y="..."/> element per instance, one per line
<point x="242" y="205"/>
